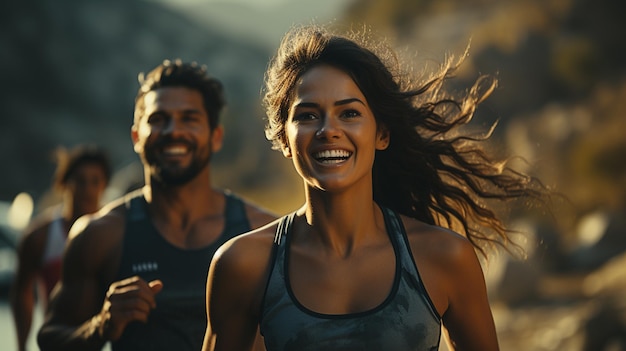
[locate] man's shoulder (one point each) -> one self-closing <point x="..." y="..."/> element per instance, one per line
<point x="95" y="240"/>
<point x="256" y="214"/>
<point x="108" y="221"/>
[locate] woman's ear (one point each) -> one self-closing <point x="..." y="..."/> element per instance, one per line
<point x="286" y="151"/>
<point x="382" y="138"/>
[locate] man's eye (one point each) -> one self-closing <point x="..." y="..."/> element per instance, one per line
<point x="191" y="118"/>
<point x="156" y="119"/>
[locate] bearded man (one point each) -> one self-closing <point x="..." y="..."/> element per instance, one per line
<point x="134" y="273"/>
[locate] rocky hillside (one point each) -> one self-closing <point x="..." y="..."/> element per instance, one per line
<point x="69" y="74"/>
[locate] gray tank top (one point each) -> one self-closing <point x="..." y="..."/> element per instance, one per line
<point x="406" y="320"/>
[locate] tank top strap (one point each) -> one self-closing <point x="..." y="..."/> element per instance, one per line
<point x="235" y="209"/>
<point x="274" y="284"/>
<point x="284" y="226"/>
<point x="135" y="204"/>
<point x="397" y="233"/>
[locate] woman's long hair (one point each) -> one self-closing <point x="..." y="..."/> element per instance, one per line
<point x="430" y="171"/>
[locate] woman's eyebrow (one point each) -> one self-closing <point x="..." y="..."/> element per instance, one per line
<point x="347" y="101"/>
<point x="337" y="103"/>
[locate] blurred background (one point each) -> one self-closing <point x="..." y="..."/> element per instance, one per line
<point x="69" y="76"/>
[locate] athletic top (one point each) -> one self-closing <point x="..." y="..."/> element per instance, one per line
<point x="179" y="320"/>
<point x="405" y="320"/>
<point x="53" y="253"/>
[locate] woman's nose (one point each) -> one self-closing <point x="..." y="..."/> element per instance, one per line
<point x="329" y="128"/>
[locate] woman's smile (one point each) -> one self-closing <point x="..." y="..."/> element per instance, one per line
<point x="331" y="157"/>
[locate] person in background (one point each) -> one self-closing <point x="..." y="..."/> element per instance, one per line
<point x="81" y="177"/>
<point x="370" y="261"/>
<point x="135" y="272"/>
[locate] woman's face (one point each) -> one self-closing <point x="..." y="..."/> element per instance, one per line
<point x="86" y="185"/>
<point x="331" y="132"/>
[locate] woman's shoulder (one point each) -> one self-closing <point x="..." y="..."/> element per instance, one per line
<point x="447" y="261"/>
<point x="248" y="250"/>
<point x="240" y="266"/>
<point x="436" y="244"/>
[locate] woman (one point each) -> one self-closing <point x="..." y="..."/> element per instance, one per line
<point x="368" y="262"/>
<point x="81" y="178"/>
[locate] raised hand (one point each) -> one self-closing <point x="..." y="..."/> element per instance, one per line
<point x="127" y="300"/>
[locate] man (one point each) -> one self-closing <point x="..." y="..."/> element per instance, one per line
<point x="135" y="272"/>
<point x="81" y="177"/>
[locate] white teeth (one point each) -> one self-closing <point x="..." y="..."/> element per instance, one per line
<point x="175" y="150"/>
<point x="332" y="156"/>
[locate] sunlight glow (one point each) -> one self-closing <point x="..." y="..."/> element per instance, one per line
<point x="20" y="211"/>
<point x="591" y="228"/>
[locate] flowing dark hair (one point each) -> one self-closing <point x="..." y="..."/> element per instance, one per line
<point x="430" y="171"/>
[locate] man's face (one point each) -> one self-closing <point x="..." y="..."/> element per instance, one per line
<point x="173" y="137"/>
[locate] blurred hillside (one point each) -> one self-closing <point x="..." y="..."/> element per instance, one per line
<point x="70" y="73"/>
<point x="561" y="65"/>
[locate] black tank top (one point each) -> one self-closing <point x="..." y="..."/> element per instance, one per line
<point x="406" y="320"/>
<point x="179" y="320"/>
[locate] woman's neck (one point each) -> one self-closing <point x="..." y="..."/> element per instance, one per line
<point x="341" y="222"/>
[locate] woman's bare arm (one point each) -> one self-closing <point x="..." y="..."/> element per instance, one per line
<point x="235" y="287"/>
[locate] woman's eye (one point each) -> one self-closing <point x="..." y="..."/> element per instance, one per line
<point x="351" y="113"/>
<point x="304" y="116"/>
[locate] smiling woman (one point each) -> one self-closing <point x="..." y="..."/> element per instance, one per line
<point x="370" y="261"/>
<point x="330" y="128"/>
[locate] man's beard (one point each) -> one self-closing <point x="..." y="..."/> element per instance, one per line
<point x="175" y="175"/>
